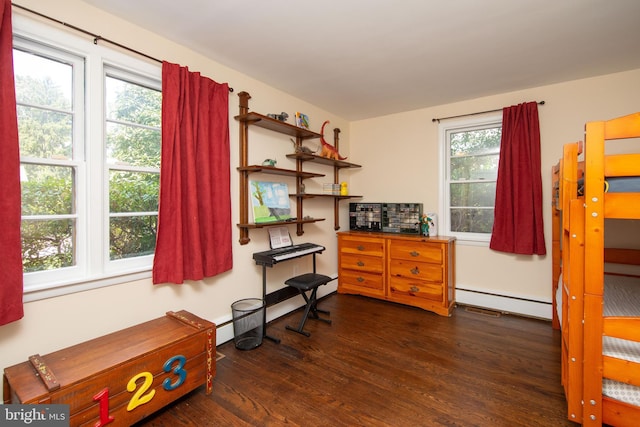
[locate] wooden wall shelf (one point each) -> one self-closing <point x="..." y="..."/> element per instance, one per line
<point x="279" y="171"/>
<point x="333" y="196"/>
<point x="266" y="122"/>
<point x="271" y="224"/>
<point x="248" y="119"/>
<point x="322" y="160"/>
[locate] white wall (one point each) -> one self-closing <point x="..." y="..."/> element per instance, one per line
<point x="412" y="170"/>
<point x="56" y="323"/>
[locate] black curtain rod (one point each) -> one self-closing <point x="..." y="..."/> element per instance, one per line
<point x="473" y="114"/>
<point x="96" y="37"/>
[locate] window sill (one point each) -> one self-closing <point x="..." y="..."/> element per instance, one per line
<point x="469" y="242"/>
<point x="57" y="290"/>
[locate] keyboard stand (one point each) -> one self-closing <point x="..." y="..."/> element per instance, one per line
<point x="264" y="312"/>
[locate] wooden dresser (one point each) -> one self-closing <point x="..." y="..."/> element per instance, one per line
<point x="412" y="270"/>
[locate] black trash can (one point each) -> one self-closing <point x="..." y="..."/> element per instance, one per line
<point x="248" y="326"/>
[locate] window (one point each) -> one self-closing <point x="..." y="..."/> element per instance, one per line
<point x="471" y="153"/>
<point x="133" y="163"/>
<point x="89" y="129"/>
<point x="48" y="126"/>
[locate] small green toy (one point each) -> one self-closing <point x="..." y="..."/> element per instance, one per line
<point x="424" y="224"/>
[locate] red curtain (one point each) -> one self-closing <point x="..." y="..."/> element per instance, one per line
<point x="194" y="220"/>
<point x="517" y="226"/>
<point x="10" y="204"/>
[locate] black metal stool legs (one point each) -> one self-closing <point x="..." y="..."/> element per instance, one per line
<point x="309" y="282"/>
<point x="310" y="310"/>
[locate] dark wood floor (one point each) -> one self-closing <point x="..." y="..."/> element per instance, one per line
<point x="382" y="364"/>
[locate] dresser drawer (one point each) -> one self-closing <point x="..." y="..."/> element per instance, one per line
<point x="416" y="270"/>
<point x="362" y="246"/>
<point x="360" y="282"/>
<point x="360" y="262"/>
<point x="422" y="252"/>
<point x="405" y="288"/>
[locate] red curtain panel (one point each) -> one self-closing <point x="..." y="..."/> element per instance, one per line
<point x="518" y="226"/>
<point x="11" y="285"/>
<point x="194" y="222"/>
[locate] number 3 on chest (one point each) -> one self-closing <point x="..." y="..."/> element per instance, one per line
<point x="145" y="392"/>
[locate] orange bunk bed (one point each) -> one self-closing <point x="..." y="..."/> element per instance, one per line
<point x="597" y="288"/>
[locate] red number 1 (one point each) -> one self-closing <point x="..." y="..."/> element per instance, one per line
<point x="103" y="397"/>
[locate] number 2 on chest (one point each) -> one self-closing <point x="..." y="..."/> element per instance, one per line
<point x="144" y="393"/>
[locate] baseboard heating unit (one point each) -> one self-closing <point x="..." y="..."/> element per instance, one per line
<point x="504" y="303"/>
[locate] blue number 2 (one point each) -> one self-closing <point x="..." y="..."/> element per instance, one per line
<point x="178" y="370"/>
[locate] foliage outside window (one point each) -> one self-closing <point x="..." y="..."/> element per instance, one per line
<point x="472" y="151"/>
<point x="46" y="120"/>
<point x="90" y="157"/>
<point x="133" y="159"/>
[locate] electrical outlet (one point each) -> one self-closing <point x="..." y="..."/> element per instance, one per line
<point x="295" y="270"/>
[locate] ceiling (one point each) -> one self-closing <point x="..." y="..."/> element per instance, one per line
<point x="361" y="58"/>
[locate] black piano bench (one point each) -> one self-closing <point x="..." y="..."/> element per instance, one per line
<point x="304" y="283"/>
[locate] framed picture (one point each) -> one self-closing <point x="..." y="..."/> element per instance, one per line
<point x="302" y="120"/>
<point x="270" y="201"/>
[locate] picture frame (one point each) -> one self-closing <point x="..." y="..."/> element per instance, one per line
<point x="270" y="201"/>
<point x="302" y="120"/>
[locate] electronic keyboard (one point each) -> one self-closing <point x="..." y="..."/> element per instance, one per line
<point x="275" y="256"/>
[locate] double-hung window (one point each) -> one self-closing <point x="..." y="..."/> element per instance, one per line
<point x="89" y="131"/>
<point x="132" y="136"/>
<point x="471" y="150"/>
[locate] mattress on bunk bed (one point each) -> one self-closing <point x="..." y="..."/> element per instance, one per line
<point x="621" y="184"/>
<point x="621" y="298"/>
<point x="624" y="293"/>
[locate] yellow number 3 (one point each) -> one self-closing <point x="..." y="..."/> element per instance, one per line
<point x="139" y="398"/>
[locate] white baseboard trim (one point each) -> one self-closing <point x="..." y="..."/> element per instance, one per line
<point x="224" y="324"/>
<point x="504" y="303"/>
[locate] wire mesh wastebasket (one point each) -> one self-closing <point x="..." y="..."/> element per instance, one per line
<point x="248" y="326"/>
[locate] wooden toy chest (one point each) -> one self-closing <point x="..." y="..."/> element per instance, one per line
<point x="121" y="377"/>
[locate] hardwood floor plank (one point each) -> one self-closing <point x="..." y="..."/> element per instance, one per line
<point x="383" y="364"/>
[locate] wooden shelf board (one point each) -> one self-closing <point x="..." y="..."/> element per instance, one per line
<point x="323" y="160"/>
<point x="335" y="196"/>
<point x="271" y="224"/>
<point x="266" y="122"/>
<point x="279" y="171"/>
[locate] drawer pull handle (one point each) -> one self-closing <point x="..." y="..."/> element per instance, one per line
<point x="360" y="264"/>
<point x="415" y="270"/>
<point x="414" y="253"/>
<point x="360" y="279"/>
<point x="360" y="248"/>
<point x="414" y="289"/>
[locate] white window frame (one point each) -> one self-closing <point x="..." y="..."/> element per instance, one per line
<point x="134" y="263"/>
<point x="37" y="281"/>
<point x="444" y="128"/>
<point x="93" y="267"/>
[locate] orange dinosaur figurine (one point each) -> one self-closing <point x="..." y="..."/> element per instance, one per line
<point x="328" y="150"/>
